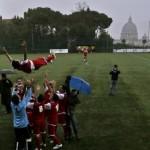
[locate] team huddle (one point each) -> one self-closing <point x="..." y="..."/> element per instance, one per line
<point x="41" y="113"/>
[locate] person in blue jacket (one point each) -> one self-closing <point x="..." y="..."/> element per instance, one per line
<point x="20" y="120"/>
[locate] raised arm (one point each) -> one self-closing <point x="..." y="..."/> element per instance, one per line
<point x="28" y="91"/>
<point x="7" y="55"/>
<point x="27" y="96"/>
<point x="24" y="48"/>
<point x="25" y="100"/>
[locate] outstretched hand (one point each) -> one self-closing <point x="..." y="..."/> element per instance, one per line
<point x="28" y="83"/>
<point x="38" y="87"/>
<point x="7" y="55"/>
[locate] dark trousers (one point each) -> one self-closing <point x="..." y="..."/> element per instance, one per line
<point x="113" y="87"/>
<point x="8" y="107"/>
<point x="5" y="101"/>
<point x="72" y="125"/>
<point x="22" y="134"/>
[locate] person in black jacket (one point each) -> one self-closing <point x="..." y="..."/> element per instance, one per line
<point x="114" y="78"/>
<point x="73" y="101"/>
<point x="5" y="91"/>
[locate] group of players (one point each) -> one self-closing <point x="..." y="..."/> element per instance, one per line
<point x="42" y="112"/>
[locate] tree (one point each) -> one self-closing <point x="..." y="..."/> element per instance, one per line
<point x="104" y="42"/>
<point x="37" y="28"/>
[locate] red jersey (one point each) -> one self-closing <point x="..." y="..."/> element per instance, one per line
<point x="53" y="113"/>
<point x="38" y="118"/>
<point x="47" y="96"/>
<point x="30" y="111"/>
<point x="62" y="105"/>
<point x="85" y="51"/>
<point x="30" y="116"/>
<point x="39" y="62"/>
<point x="38" y="112"/>
<point x="62" y="112"/>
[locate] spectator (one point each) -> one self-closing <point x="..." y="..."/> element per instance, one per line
<point x="114" y="78"/>
<point x="20" y="120"/>
<point x="5" y="90"/>
<point x="72" y="103"/>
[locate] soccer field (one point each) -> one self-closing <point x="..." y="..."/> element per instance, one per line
<point x="120" y="122"/>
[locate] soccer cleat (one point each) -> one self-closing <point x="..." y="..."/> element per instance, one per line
<point x="57" y="146"/>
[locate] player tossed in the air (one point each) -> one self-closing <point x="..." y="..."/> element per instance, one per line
<point x="29" y="65"/>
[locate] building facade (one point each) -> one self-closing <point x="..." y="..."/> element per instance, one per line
<point x="129" y="35"/>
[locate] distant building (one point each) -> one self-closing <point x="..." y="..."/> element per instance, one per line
<point x="129" y="35"/>
<point x="129" y="32"/>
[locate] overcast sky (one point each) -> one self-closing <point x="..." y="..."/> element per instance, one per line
<point x="119" y="10"/>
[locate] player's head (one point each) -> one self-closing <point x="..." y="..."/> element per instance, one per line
<point x="74" y="92"/>
<point x="15" y="99"/>
<point x="33" y="98"/>
<point x="68" y="78"/>
<point x="40" y="98"/>
<point x="3" y="76"/>
<point x="19" y="86"/>
<point x="62" y="88"/>
<point x="55" y="97"/>
<point x="15" y="64"/>
<point x="115" y="66"/>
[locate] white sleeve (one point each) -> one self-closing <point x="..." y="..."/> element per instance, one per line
<point x="60" y="95"/>
<point x="14" y="91"/>
<point x="30" y="105"/>
<point x="47" y="106"/>
<point x="46" y="88"/>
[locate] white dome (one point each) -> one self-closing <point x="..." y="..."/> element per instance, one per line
<point x="129" y="32"/>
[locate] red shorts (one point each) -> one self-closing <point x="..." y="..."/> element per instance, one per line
<point x="39" y="127"/>
<point x="52" y="130"/>
<point x="85" y="54"/>
<point x="62" y="118"/>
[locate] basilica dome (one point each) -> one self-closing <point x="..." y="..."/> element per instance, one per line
<point x="129" y="32"/>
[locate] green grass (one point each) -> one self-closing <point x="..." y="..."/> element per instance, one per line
<point x="120" y="122"/>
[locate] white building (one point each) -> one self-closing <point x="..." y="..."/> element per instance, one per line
<point x="129" y="35"/>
